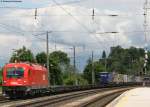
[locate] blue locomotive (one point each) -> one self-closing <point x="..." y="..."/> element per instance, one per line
<point x="105" y="77"/>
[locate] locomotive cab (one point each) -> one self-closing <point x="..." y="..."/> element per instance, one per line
<point x="14" y="79"/>
<point x="21" y="79"/>
<point x="14" y="75"/>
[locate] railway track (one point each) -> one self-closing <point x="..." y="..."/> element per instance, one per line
<point x="102" y="101"/>
<point x="4" y="100"/>
<point x="97" y="100"/>
<point x="53" y="102"/>
<point x="59" y="100"/>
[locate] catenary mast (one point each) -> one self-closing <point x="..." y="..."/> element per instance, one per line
<point x="145" y="33"/>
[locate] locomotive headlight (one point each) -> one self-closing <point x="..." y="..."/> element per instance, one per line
<point x="25" y="81"/>
<point x="4" y="82"/>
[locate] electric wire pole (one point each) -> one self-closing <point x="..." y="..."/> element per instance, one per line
<point x="47" y="52"/>
<point x="93" y="73"/>
<point x="105" y="64"/>
<point x="74" y="64"/>
<point x="74" y="57"/>
<point x="145" y="33"/>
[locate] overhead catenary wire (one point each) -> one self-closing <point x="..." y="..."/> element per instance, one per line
<point x="12" y="27"/>
<point x="71" y="15"/>
<point x="68" y="31"/>
<point x="52" y="5"/>
<point x="11" y="1"/>
<point x="18" y="30"/>
<point x="73" y="18"/>
<point x="94" y="22"/>
<point x="82" y="25"/>
<point x="101" y="34"/>
<point x="66" y="15"/>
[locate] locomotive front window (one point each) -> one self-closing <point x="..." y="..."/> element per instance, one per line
<point x="15" y="72"/>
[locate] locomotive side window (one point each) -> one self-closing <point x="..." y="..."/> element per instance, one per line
<point x="15" y="72"/>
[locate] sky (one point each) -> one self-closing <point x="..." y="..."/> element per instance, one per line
<point x="70" y="23"/>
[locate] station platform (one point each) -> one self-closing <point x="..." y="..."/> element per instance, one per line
<point x="138" y="97"/>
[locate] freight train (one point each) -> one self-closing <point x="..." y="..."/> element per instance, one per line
<point x="27" y="79"/>
<point x="116" y="78"/>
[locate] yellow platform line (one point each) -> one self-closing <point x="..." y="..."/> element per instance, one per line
<point x="123" y="101"/>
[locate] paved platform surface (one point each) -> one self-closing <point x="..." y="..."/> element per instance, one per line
<point x="138" y="97"/>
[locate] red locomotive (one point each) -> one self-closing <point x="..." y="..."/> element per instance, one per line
<point x="21" y="79"/>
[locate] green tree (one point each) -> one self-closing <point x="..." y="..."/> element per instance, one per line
<point x="55" y="73"/>
<point x="104" y="60"/>
<point x="59" y="63"/>
<point x="103" y="55"/>
<point x="41" y="58"/>
<point x="126" y="61"/>
<point x="87" y="73"/>
<point x="68" y="76"/>
<point x="60" y="58"/>
<point x="22" y="55"/>
<point x="82" y="80"/>
<point x="62" y="64"/>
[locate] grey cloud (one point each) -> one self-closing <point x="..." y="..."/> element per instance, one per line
<point x="55" y="19"/>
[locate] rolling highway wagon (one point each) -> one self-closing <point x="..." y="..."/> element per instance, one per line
<point x="116" y="78"/>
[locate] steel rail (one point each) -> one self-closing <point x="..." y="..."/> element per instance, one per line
<point x="9" y="102"/>
<point x="61" y="99"/>
<point x="103" y="100"/>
